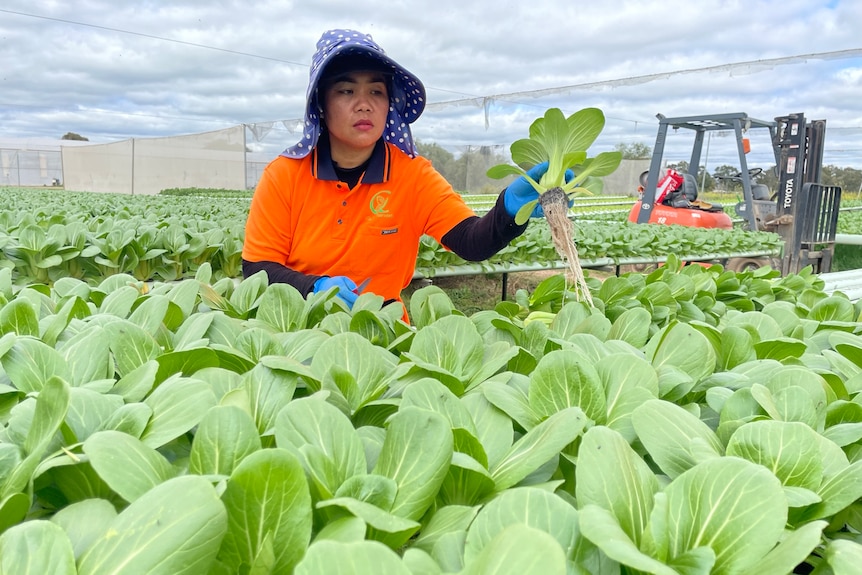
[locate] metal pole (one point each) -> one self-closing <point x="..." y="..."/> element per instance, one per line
<point x="245" y="155"/>
<point x="133" y="168"/>
<point x="705" y="162"/>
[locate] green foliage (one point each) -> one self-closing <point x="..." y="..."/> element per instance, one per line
<point x="563" y="143"/>
<point x="694" y="420"/>
<point x="466" y="172"/>
<point x="207" y="192"/>
<point x="634" y="151"/>
<point x="74" y="136"/>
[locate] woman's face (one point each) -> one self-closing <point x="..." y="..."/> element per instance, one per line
<point x="355" y="108"/>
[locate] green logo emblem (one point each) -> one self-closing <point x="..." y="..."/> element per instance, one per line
<point x="378" y="202"/>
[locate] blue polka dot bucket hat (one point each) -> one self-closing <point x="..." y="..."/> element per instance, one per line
<point x="406" y="98"/>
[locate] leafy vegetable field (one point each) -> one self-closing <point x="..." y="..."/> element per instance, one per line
<point x="694" y="421"/>
<point x="45" y="236"/>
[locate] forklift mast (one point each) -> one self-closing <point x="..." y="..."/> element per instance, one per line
<point x="806" y="212"/>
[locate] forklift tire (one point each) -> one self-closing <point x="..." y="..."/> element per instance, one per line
<point x="745" y="264"/>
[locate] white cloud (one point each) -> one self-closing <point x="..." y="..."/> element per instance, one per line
<point x="139" y="69"/>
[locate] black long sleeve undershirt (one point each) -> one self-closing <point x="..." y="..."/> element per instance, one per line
<point x="473" y="239"/>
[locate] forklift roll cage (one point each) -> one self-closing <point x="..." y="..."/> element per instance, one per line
<point x="803" y="212"/>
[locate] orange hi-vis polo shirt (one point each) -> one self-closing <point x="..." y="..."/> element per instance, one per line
<point x="301" y="216"/>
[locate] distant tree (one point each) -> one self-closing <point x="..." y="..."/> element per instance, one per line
<point x="725" y="185"/>
<point x="681" y="166"/>
<point x="444" y="162"/>
<point x="439" y="156"/>
<point x="74" y="136"/>
<point x="467" y="172"/>
<point x="634" y="151"/>
<point x="849" y="179"/>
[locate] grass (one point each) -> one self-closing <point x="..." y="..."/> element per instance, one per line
<point x="473" y="293"/>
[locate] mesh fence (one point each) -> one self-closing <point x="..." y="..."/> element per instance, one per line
<point x="234" y="159"/>
<point x="30" y="167"/>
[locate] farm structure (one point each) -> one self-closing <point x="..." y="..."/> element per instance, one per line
<point x="232" y="159"/>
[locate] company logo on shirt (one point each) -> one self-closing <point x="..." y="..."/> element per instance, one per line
<point x="378" y="202"/>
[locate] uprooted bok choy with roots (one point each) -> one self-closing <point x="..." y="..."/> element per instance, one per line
<point x="563" y="143"/>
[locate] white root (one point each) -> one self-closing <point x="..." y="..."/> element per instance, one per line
<point x="555" y="206"/>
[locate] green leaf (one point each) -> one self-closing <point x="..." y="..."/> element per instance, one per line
<point x="51" y="408"/>
<point x="525" y="211"/>
<point x="151" y="313"/>
<point x="88" y="356"/>
<point x="416" y="454"/>
<point x="85" y="521"/>
<point x="844" y="556"/>
<point x="119" y="302"/>
<point x="561" y="379"/>
<point x="268" y="390"/>
<point x="131" y="345"/>
<point x="538" y="446"/>
<point x="528" y="506"/>
<point x="368" y="488"/>
<point x="178" y="405"/>
<point x="52" y="405"/>
<point x="446" y="519"/>
<point x="282" y="307"/>
<point x="176" y="527"/>
<point x="336" y="558"/>
<point x="788" y="449"/>
<point x="505" y="554"/>
<point x="13" y="509"/>
<point x="737" y="347"/>
<point x="375" y="517"/>
<point x="137" y="384"/>
<point x="428" y="304"/>
<point x="794" y="548"/>
<point x="493" y="427"/>
<point x="420" y="562"/>
<point x="29" y="363"/>
<point x="430" y="394"/>
<point x="19" y="317"/>
<point x="467" y="482"/>
<point x="368" y="364"/>
<point x="128" y="466"/>
<point x="676" y="439"/>
<point x="224" y="437"/>
<point x="325" y="441"/>
<point x="632" y="326"/>
<point x="513" y="402"/>
<point x="837" y="491"/>
<point x="780" y="348"/>
<point x="683" y="347"/>
<point x="611" y="475"/>
<point x="185" y="362"/>
<point x="267" y="495"/>
<point x="36" y="548"/>
<point x="345" y="530"/>
<point x="500" y="171"/>
<point x="734" y="506"/>
<point x="628" y="382"/>
<point x="600" y="527"/>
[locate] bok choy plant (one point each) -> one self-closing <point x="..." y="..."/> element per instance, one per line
<point x="563" y="143"/>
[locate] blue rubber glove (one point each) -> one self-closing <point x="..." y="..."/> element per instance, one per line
<point x="520" y="191"/>
<point x="345" y="285"/>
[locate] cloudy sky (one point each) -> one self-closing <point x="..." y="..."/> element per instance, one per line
<point x="117" y="69"/>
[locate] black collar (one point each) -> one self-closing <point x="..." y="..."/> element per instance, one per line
<point x="323" y="168"/>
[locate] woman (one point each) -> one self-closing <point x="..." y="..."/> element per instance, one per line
<point x="350" y="201"/>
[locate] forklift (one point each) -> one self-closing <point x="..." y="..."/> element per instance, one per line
<point x="803" y="212"/>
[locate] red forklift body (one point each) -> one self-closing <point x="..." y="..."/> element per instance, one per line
<point x="690" y="217"/>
